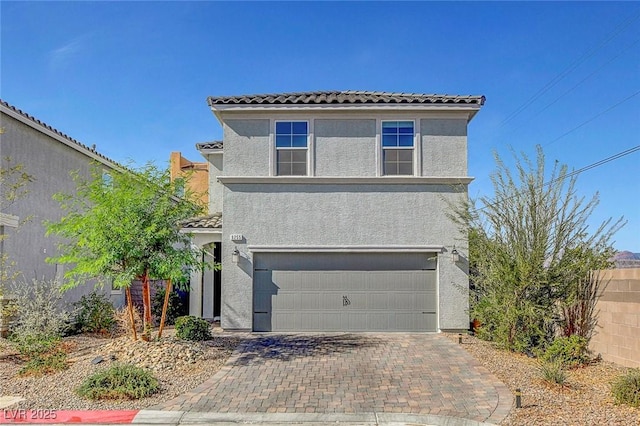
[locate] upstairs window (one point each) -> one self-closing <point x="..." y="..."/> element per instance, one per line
<point x="397" y="147"/>
<point x="292" y="139"/>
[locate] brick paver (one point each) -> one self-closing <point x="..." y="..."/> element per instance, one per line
<point x="351" y="373"/>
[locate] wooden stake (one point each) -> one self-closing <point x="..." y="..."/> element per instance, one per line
<point x="131" y="318"/>
<point x="165" y="305"/>
<point x="146" y="301"/>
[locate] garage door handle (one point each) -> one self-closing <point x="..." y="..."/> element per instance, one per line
<point x="428" y="312"/>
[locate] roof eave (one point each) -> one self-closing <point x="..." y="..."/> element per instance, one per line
<point x="208" y="151"/>
<point x="220" y="109"/>
<point x="372" y="106"/>
<point x="54" y="134"/>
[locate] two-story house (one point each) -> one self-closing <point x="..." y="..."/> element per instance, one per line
<point x="48" y="156"/>
<point x="335" y="211"/>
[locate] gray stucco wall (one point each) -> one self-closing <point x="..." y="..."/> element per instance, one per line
<point x="345" y="147"/>
<point x="374" y="214"/>
<point x="246" y="147"/>
<point x="444" y="147"/>
<point x="49" y="162"/>
<point x="215" y="187"/>
<point x="339" y="215"/>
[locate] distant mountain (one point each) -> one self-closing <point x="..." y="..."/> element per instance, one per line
<point x="626" y="259"/>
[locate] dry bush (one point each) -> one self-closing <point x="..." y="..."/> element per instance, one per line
<point x="123" y="321"/>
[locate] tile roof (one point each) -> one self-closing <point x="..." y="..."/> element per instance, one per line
<point x="82" y="146"/>
<point x="344" y="97"/>
<point x="211" y="221"/>
<point x="209" y="145"/>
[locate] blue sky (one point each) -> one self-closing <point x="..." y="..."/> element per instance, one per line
<point x="133" y="77"/>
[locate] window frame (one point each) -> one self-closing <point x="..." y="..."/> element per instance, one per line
<point x="306" y="148"/>
<point x="412" y="148"/>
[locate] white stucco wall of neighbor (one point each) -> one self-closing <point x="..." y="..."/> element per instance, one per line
<point x="385" y="213"/>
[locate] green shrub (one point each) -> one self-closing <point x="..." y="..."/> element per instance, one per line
<point x="95" y="314"/>
<point x="38" y="309"/>
<point x="570" y="351"/>
<point x="33" y="344"/>
<point x="175" y="308"/>
<point x="119" y="382"/>
<point x="626" y="389"/>
<point x="553" y="372"/>
<point x="46" y="363"/>
<point x="38" y="327"/>
<point x="192" y="328"/>
<point x="43" y="353"/>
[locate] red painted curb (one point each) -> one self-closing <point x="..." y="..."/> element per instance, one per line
<point x="22" y="416"/>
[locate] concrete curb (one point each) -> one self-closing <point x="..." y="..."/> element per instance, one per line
<point x="175" y="418"/>
<point x="150" y="417"/>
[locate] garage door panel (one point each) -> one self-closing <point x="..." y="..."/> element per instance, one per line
<point x="404" y="302"/>
<point x="379" y="322"/>
<point x="334" y="322"/>
<point x="344" y="300"/>
<point x="330" y="300"/>
<point x="311" y="300"/>
<point x="328" y="280"/>
<point x="427" y="300"/>
<point x="286" y="302"/>
<point x="287" y="280"/>
<point x="378" y="300"/>
<point x="357" y="321"/>
<point x="430" y="281"/>
<point x="310" y="321"/>
<point x="356" y="282"/>
<point x="312" y="282"/>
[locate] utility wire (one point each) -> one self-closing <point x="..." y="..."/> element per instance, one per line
<point x="568" y="175"/>
<point x="593" y="118"/>
<point x="576" y="85"/>
<point x="569" y="69"/>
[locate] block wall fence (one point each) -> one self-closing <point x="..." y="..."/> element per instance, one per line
<point x="617" y="335"/>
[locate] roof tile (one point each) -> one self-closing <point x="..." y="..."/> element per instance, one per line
<point x="211" y="221"/>
<point x="344" y="97"/>
<point x="59" y="133"/>
<point x="210" y="145"/>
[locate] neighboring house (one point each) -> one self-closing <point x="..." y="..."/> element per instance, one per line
<point x="197" y="175"/>
<point x="48" y="156"/>
<point x="335" y="212"/>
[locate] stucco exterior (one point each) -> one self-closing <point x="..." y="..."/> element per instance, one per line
<point x="344" y="203"/>
<point x="48" y="157"/>
<point x="377" y="215"/>
<point x="345" y="146"/>
<point x="197" y="174"/>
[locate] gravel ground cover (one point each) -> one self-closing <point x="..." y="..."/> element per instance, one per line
<point x="584" y="400"/>
<point x="181" y="366"/>
<point x="178" y="365"/>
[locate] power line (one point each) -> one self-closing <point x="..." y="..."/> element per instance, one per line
<point x="568" y="175"/>
<point x="569" y="69"/>
<point x="593" y="118"/>
<point x="576" y="85"/>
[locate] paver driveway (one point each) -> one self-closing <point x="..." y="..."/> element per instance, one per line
<point x="423" y="374"/>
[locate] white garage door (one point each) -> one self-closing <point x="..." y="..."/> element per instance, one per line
<point x="344" y="292"/>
